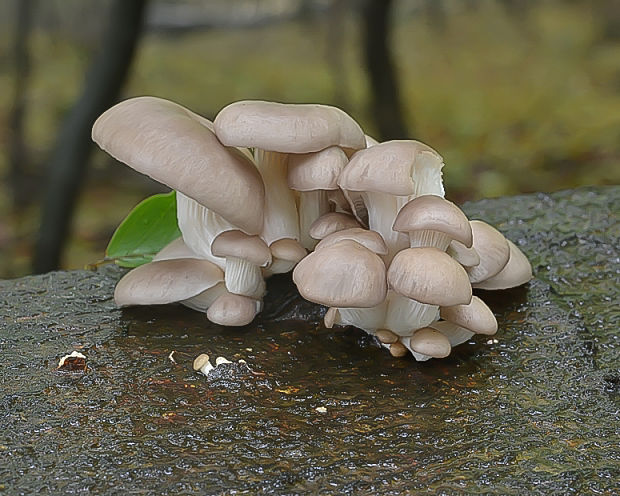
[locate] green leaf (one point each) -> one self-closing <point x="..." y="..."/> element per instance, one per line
<point x="150" y="226"/>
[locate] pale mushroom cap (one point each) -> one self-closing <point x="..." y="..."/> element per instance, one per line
<point x="476" y="316"/>
<point x="467" y="257"/>
<point x="331" y="223"/>
<point x="175" y="249"/>
<point x="493" y="249"/>
<point x="430" y="276"/>
<point x="288" y="249"/>
<point x="200" y="361"/>
<point x="240" y="245"/>
<point x="434" y="213"/>
<point x="386" y="167"/>
<point x="174" y="146"/>
<point x="365" y="237"/>
<point x="319" y="170"/>
<point x="343" y="275"/>
<point x="517" y="271"/>
<point x="166" y="281"/>
<point x="233" y="310"/>
<point x="430" y="342"/>
<point x="287" y="128"/>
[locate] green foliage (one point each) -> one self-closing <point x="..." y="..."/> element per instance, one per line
<point x="150" y="226"/>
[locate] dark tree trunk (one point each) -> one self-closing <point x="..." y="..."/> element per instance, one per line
<point x="18" y="157"/>
<point x="67" y="165"/>
<point x="385" y="100"/>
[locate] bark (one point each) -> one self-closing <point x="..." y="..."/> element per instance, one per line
<point x="385" y="99"/>
<point x="67" y="165"/>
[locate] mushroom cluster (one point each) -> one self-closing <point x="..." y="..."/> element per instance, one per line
<point x="269" y="188"/>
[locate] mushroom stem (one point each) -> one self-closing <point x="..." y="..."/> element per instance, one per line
<point x="312" y="204"/>
<point x="382" y="209"/>
<point x="280" y="215"/>
<point x="244" y="278"/>
<point x="404" y="315"/>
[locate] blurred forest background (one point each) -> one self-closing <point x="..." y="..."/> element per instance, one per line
<point x="517" y="95"/>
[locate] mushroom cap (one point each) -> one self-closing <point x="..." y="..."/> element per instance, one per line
<point x="175" y="147"/>
<point x="467" y="257"/>
<point x="365" y="237"/>
<point x="345" y="275"/>
<point x="386" y="336"/>
<point x="233" y="310"/>
<point x="175" y="249"/>
<point x="287" y="128"/>
<point x="288" y="249"/>
<point x="331" y="223"/>
<point x="387" y="167"/>
<point x="430" y="342"/>
<point x="398" y="349"/>
<point x="493" y="249"/>
<point x="434" y="213"/>
<point x="318" y="170"/>
<point x="240" y="245"/>
<point x="200" y="361"/>
<point x="476" y="316"/>
<point x="516" y="272"/>
<point x="166" y="281"/>
<point x="430" y="276"/>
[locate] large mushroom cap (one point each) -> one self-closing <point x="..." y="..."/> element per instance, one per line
<point x="516" y="272"/>
<point x="433" y="213"/>
<point x="493" y="249"/>
<point x="166" y="281"/>
<point x="365" y="237"/>
<point x="345" y="275"/>
<point x="390" y="167"/>
<point x="331" y="223"/>
<point x="287" y="128"/>
<point x="174" y="146"/>
<point x="476" y="316"/>
<point x="430" y="276"/>
<point x="240" y="245"/>
<point x="319" y="170"/>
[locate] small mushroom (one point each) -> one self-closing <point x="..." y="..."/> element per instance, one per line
<point x="461" y="322"/>
<point x="369" y="239"/>
<point x="202" y="364"/>
<point x="428" y="343"/>
<point x="331" y="223"/>
<point x="233" y="310"/>
<point x="467" y="257"/>
<point x="245" y="255"/>
<point x="516" y="272"/>
<point x="493" y="249"/>
<point x="430" y="220"/>
<point x="286" y="254"/>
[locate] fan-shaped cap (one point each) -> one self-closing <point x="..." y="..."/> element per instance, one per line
<point x="476" y="316"/>
<point x="319" y="170"/>
<point x="233" y="310"/>
<point x="467" y="257"/>
<point x="342" y="275"/>
<point x="433" y="213"/>
<point x="174" y="146"/>
<point x="516" y="272"/>
<point x="288" y="249"/>
<point x="430" y="276"/>
<point x="240" y="245"/>
<point x="389" y="168"/>
<point x="166" y="281"/>
<point x="287" y="128"/>
<point x="493" y="249"/>
<point x="430" y="342"/>
<point x="365" y="237"/>
<point x="331" y="223"/>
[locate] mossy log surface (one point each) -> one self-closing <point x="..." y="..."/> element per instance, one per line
<point x="534" y="413"/>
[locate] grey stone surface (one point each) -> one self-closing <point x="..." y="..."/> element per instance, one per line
<point x="536" y="413"/>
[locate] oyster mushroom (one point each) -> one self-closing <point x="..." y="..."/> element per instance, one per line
<point x="461" y="322"/>
<point x="516" y="272"/>
<point x="331" y="223"/>
<point x="233" y="310"/>
<point x="493" y="249"/>
<point x="430" y="220"/>
<point x="286" y="253"/>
